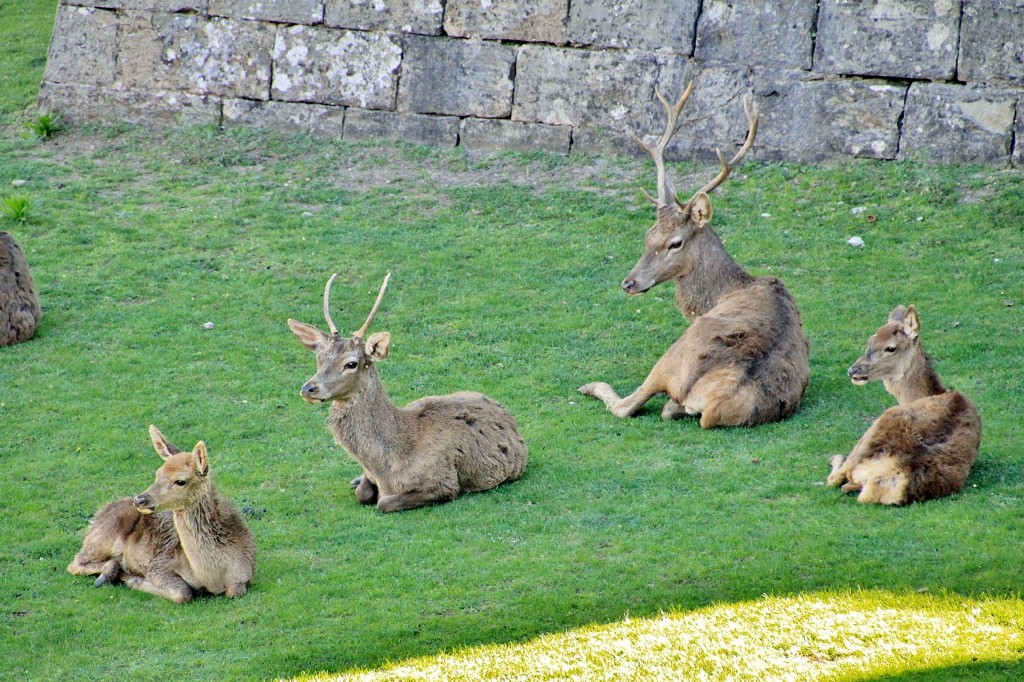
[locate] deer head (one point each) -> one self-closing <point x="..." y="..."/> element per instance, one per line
<point x="668" y="243"/>
<point x="181" y="480"/>
<point x="341" y="363"/>
<point x="890" y="349"/>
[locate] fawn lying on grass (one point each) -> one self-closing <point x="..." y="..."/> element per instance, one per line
<point x="176" y="538"/>
<point x="430" y="451"/>
<point x="922" y="448"/>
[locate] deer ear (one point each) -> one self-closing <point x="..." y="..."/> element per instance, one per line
<point x="898" y="313"/>
<point x="200" y="459"/>
<point x="911" y="324"/>
<point x="311" y="337"/>
<point x="162" y="446"/>
<point x="377" y="346"/>
<point x="700" y="209"/>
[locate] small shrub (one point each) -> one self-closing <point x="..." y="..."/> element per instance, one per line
<point x="45" y="126"/>
<point x="16" y="207"/>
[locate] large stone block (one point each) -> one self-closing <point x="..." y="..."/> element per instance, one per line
<point x="992" y="41"/>
<point x="286" y="116"/>
<point x="408" y="16"/>
<point x="808" y="118"/>
<point x="948" y="123"/>
<point x="897" y="38"/>
<point x="334" y="66"/>
<point x="285" y="11"/>
<point x="80" y="104"/>
<point x="612" y="89"/>
<point x="757" y="32"/>
<point x="83" y="49"/>
<point x="145" y="5"/>
<point x="542" y="21"/>
<point x="636" y="24"/>
<point x="495" y="135"/>
<point x="457" y="77"/>
<point x="430" y="131"/>
<point x="195" y="54"/>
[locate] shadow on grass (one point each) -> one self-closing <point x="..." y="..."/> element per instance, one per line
<point x="975" y="671"/>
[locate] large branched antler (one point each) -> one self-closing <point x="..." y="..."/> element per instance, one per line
<point x="666" y="193"/>
<point x="366" y="325"/>
<point x="753" y="117"/>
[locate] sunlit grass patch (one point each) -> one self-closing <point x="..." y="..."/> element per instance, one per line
<point x="857" y="635"/>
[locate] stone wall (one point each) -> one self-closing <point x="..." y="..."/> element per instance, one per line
<point x="934" y="79"/>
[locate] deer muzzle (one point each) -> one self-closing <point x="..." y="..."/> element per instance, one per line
<point x="309" y="391"/>
<point x="144" y="503"/>
<point x="858" y="374"/>
<point x="633" y="287"/>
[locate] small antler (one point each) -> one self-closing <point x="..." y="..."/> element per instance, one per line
<point x="753" y="116"/>
<point x="327" y="304"/>
<point x="373" y="311"/>
<point x="666" y="193"/>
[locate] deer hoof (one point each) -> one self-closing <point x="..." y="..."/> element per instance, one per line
<point x="356" y="481"/>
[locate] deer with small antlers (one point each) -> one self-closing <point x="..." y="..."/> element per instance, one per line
<point x="920" y="449"/>
<point x="428" y="452"/>
<point x="744" y="359"/>
<point x="178" y="537"/>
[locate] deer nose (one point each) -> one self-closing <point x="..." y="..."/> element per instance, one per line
<point x="141" y="500"/>
<point x="309" y="388"/>
<point x="628" y="285"/>
<point x="853" y="371"/>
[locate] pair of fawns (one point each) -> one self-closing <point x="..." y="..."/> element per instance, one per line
<point x="743" y="361"/>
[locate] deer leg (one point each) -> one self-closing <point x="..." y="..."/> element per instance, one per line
<point x="169" y="587"/>
<point x="838" y="475"/>
<point x="80" y="567"/>
<point x="842" y="467"/>
<point x="237" y="590"/>
<point x="366" y="491"/>
<point x="110" y="574"/>
<point x="673" y="410"/>
<point x="620" y="407"/>
<point x="410" y="500"/>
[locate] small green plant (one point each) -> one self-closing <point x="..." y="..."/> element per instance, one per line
<point x="45" y="125"/>
<point x="16" y="207"/>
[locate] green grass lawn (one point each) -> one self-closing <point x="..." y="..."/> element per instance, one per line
<point x="630" y="549"/>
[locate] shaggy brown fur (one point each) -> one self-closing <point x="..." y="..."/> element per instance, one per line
<point x="744" y="359"/>
<point x="178" y="537"/>
<point x="924" y="447"/>
<point x="19" y="303"/>
<point x="430" y="451"/>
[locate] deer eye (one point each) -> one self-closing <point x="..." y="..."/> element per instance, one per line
<point x="675" y="243"/>
<point x="890" y="349"/>
<point x="180" y="482"/>
<point x="351" y="364"/>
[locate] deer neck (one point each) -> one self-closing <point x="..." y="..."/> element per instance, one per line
<point x="199" y="528"/>
<point x="708" y="274"/>
<point x="917" y="380"/>
<point x="368" y="424"/>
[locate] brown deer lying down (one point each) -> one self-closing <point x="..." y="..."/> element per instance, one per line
<point x="429" y="451"/>
<point x="743" y="361"/>
<point x="176" y="538"/>
<point x="924" y="447"/>
<point x="19" y="304"/>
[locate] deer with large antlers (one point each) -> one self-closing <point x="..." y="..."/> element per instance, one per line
<point x="430" y="451"/>
<point x="920" y="449"/>
<point x="743" y="361"/>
